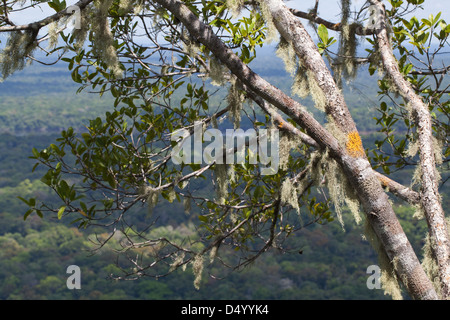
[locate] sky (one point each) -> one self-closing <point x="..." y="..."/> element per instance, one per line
<point x="328" y="9"/>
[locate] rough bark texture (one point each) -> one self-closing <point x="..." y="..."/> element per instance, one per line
<point x="404" y="193"/>
<point x="359" y="172"/>
<point x="429" y="195"/>
<point x="42" y="23"/>
<point x="293" y="31"/>
<point x="375" y="202"/>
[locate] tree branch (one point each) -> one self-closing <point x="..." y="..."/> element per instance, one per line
<point x="36" y="26"/>
<point x="430" y="198"/>
<point x="358" y="170"/>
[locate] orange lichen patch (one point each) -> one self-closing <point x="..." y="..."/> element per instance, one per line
<point x="384" y="181"/>
<point x="354" y="145"/>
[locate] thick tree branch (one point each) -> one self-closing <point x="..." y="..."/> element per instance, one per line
<point x="293" y="31"/>
<point x="379" y="212"/>
<point x="399" y="190"/>
<point x="430" y="198"/>
<point x="328" y="24"/>
<point x="375" y="202"/>
<point x="36" y="26"/>
<point x="404" y="193"/>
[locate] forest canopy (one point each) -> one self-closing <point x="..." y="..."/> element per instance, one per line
<point x="186" y="67"/>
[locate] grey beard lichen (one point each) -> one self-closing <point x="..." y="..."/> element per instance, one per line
<point x="213" y="253"/>
<point x="53" y="31"/>
<point x="190" y="46"/>
<point x="317" y="94"/>
<point x="340" y="190"/>
<point x="430" y="266"/>
<point x="125" y="6"/>
<point x="345" y="63"/>
<point x="272" y="32"/>
<point x="300" y="86"/>
<point x="235" y="7"/>
<point x="235" y="100"/>
<point x="438" y="145"/>
<point x="289" y="194"/>
<point x="197" y="268"/>
<point x="187" y="205"/>
<point x="347" y="50"/>
<point x="389" y="280"/>
<point x="19" y="46"/>
<point x="221" y="174"/>
<point x="103" y="42"/>
<point x="178" y="260"/>
<point x="150" y="195"/>
<point x="286" y="52"/>
<point x="286" y="144"/>
<point x="305" y="84"/>
<point x="429" y="263"/>
<point x="217" y="72"/>
<point x="80" y="35"/>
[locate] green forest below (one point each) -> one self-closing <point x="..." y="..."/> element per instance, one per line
<point x="40" y="101"/>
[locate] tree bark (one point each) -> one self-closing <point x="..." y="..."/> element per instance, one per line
<point x="375" y="202"/>
<point x="42" y="23"/>
<point x="429" y="194"/>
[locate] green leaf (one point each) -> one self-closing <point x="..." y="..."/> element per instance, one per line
<point x="25" y="216"/>
<point x="61" y="211"/>
<point x="322" y="31"/>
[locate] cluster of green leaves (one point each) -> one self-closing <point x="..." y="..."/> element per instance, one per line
<point x="128" y="149"/>
<point x="325" y="40"/>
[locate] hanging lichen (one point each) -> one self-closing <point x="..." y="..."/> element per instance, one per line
<point x="340" y="190"/>
<point x="151" y="196"/>
<point x="53" y="32"/>
<point x="413" y="148"/>
<point x="213" y="253"/>
<point x="197" y="268"/>
<point x="389" y="280"/>
<point x="335" y="131"/>
<point x="300" y="87"/>
<point x="438" y="145"/>
<point x="220" y="171"/>
<point x="235" y="7"/>
<point x="171" y="195"/>
<point x="187" y="205"/>
<point x="125" y="6"/>
<point x="334" y="181"/>
<point x="417" y="176"/>
<point x="80" y="35"/>
<point x="286" y="144"/>
<point x="345" y="62"/>
<point x="235" y="100"/>
<point x="430" y="266"/>
<point x="138" y="7"/>
<point x="316" y="92"/>
<point x="286" y="52"/>
<point x="272" y="32"/>
<point x="178" y="260"/>
<point x="429" y="263"/>
<point x="289" y="194"/>
<point x="190" y="46"/>
<point x="217" y="72"/>
<point x="347" y="50"/>
<point x="103" y="42"/>
<point x="19" y="46"/>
